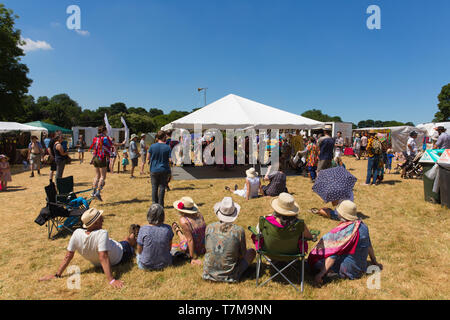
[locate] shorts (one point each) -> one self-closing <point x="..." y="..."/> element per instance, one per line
<point x="134" y="162"/>
<point x="53" y="165"/>
<point x="128" y="252"/>
<point x="99" y="163"/>
<point x="363" y="148"/>
<point x="80" y="150"/>
<point x="143" y="157"/>
<point x="35" y="159"/>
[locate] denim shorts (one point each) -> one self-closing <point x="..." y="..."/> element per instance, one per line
<point x="128" y="252"/>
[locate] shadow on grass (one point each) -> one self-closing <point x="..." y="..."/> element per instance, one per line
<point x="362" y="216"/>
<point x="135" y="200"/>
<point x="117" y="270"/>
<point x="391" y="182"/>
<point x="14" y="189"/>
<point x="82" y="184"/>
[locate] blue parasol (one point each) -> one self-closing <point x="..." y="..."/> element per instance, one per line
<point x="334" y="184"/>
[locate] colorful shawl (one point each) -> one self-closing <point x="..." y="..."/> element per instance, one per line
<point x="339" y="241"/>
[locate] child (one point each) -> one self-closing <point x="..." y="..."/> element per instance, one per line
<point x="125" y="161"/>
<point x="5" y="173"/>
<point x="390" y="156"/>
<point x="337" y="162"/>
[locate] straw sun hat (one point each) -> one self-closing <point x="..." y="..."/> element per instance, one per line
<point x="227" y="210"/>
<point x="133" y="136"/>
<point x="347" y="210"/>
<point x="285" y="205"/>
<point x="186" y="205"/>
<point x="90" y="216"/>
<point x="251" y="173"/>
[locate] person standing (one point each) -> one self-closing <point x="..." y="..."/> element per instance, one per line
<point x="339" y="145"/>
<point x="326" y="146"/>
<point x="81" y="146"/>
<point x="35" y="151"/>
<point x="312" y="158"/>
<point x="374" y="152"/>
<point x="443" y="142"/>
<point x="102" y="150"/>
<point x="143" y="152"/>
<point x="134" y="154"/>
<point x="52" y="153"/>
<point x="357" y="146"/>
<point x="159" y="155"/>
<point x="364" y="142"/>
<point x="60" y="156"/>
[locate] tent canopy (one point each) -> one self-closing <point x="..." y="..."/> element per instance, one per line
<point x="400" y="136"/>
<point x="15" y="126"/>
<point x="234" y="112"/>
<point x="50" y="127"/>
<point x="429" y="127"/>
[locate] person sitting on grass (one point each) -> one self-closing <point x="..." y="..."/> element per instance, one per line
<point x="94" y="244"/>
<point x="343" y="250"/>
<point x="285" y="214"/>
<point x="277" y="182"/>
<point x="337" y="162"/>
<point x="330" y="213"/>
<point x="252" y="187"/>
<point x="154" y="241"/>
<point x="227" y="256"/>
<point x="191" y="232"/>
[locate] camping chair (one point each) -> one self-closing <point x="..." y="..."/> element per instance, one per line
<point x="59" y="215"/>
<point x="65" y="190"/>
<point x="280" y="244"/>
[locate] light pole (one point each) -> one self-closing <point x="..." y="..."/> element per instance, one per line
<point x="204" y="93"/>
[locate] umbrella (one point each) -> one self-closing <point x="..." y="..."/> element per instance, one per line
<point x="334" y="184"/>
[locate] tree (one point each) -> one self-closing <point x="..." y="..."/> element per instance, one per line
<point x="136" y="123"/>
<point x="14" y="82"/>
<point x="443" y="114"/>
<point x="319" y="116"/>
<point x="154" y="112"/>
<point x="138" y="110"/>
<point x="118" y="107"/>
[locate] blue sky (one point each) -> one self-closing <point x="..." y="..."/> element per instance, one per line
<point x="291" y="54"/>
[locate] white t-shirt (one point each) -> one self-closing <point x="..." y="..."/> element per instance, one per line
<point x="412" y="143"/>
<point x="89" y="245"/>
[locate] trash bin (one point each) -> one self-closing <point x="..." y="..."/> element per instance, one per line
<point x="428" y="183"/>
<point x="444" y="185"/>
<point x="428" y="161"/>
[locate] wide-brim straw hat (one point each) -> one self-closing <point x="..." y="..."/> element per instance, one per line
<point x="133" y="136"/>
<point x="227" y="210"/>
<point x="186" y="205"/>
<point x="90" y="216"/>
<point x="347" y="210"/>
<point x="285" y="205"/>
<point x="251" y="173"/>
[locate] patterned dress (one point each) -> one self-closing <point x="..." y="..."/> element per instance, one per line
<point x="312" y="157"/>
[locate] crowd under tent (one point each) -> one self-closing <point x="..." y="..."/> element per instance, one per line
<point x="89" y="134"/>
<point x="398" y="136"/>
<point x="234" y="112"/>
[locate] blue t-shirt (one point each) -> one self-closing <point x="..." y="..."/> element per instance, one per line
<point x="159" y="157"/>
<point x="47" y="142"/>
<point x="326" y="149"/>
<point x="156" y="244"/>
<point x="353" y="266"/>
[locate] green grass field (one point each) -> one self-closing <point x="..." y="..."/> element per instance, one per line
<point x="410" y="237"/>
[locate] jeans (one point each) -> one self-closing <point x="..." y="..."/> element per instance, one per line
<point x="159" y="184"/>
<point x="372" y="169"/>
<point x="312" y="172"/>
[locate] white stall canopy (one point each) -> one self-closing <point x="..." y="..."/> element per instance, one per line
<point x="15" y="126"/>
<point x="234" y="112"/>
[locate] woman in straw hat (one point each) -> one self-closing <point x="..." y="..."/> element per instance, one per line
<point x="344" y="249"/>
<point x="191" y="230"/>
<point x="252" y="187"/>
<point x="227" y="256"/>
<point x="285" y="214"/>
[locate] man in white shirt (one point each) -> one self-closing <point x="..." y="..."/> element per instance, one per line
<point x="411" y="146"/>
<point x="338" y="145"/>
<point x="94" y="244"/>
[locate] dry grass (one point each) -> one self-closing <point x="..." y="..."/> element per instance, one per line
<point x="410" y="238"/>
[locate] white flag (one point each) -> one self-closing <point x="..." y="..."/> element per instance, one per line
<point x="108" y="126"/>
<point x="126" y="130"/>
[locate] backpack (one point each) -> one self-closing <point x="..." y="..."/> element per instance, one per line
<point x="377" y="148"/>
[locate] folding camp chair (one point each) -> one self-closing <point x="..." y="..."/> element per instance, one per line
<point x="61" y="215"/>
<point x="280" y="244"/>
<point x="65" y="190"/>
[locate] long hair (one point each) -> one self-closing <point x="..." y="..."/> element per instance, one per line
<point x="286" y="221"/>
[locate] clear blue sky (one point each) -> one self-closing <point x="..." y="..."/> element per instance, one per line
<point x="291" y="54"/>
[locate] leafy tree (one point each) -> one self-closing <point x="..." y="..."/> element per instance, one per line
<point x="137" y="123"/>
<point x="319" y="116"/>
<point x="138" y="110"/>
<point x="154" y="112"/>
<point x="14" y="82"/>
<point x="118" y="107"/>
<point x="443" y="114"/>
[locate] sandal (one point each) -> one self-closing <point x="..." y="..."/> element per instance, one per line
<point x="227" y="188"/>
<point x="176" y="228"/>
<point x="314" y="210"/>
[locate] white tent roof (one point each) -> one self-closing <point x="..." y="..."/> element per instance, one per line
<point x="234" y="112"/>
<point x="15" y="126"/>
<point x="429" y="127"/>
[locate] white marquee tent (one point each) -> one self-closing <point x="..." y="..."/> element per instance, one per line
<point x="234" y="112"/>
<point x="15" y="126"/>
<point x="429" y="127"/>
